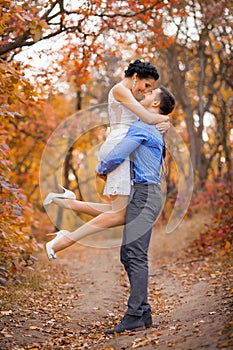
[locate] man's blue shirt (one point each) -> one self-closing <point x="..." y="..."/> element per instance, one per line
<point x="144" y="143"/>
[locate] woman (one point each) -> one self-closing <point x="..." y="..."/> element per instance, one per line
<point x="124" y="109"/>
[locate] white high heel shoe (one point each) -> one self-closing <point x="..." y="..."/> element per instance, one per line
<point x="49" y="246"/>
<point x="67" y="194"/>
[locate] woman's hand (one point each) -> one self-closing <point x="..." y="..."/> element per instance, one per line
<point x="163" y="126"/>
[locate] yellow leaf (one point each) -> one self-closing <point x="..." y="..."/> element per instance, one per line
<point x="38" y="33"/>
<point x="227" y="245"/>
<point x="32" y="328"/>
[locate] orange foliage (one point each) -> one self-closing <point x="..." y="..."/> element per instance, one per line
<point x="218" y="198"/>
<point x="26" y="123"/>
<point x="92" y="31"/>
<point x="16" y="242"/>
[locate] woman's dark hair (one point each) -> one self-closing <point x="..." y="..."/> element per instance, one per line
<point x="167" y="101"/>
<point x="144" y="70"/>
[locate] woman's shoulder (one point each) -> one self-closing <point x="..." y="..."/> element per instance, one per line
<point x="120" y="92"/>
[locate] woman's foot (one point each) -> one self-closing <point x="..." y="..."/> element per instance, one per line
<point x="66" y="194"/>
<point x="49" y="246"/>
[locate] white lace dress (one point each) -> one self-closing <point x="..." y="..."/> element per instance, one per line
<point x="118" y="181"/>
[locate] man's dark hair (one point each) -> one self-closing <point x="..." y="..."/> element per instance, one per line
<point x="144" y="70"/>
<point x="167" y="101"/>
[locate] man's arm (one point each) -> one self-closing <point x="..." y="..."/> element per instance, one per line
<point x="121" y="151"/>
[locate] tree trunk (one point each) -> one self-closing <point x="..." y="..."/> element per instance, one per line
<point x="201" y="161"/>
<point x="79" y="100"/>
<point x="178" y="82"/>
<point x="225" y="133"/>
<point x="68" y="166"/>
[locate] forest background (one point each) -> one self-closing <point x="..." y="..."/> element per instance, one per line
<point x="58" y="57"/>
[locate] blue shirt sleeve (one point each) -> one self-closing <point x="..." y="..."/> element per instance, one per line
<point x="132" y="140"/>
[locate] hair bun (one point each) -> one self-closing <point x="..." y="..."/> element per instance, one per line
<point x="143" y="69"/>
<point x="137" y="61"/>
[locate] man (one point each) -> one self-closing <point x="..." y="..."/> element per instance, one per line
<point x="144" y="144"/>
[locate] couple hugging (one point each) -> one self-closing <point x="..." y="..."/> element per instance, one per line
<point x="131" y="161"/>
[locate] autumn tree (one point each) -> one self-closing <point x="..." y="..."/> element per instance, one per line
<point x="189" y="44"/>
<point x="198" y="64"/>
<point x="31" y="111"/>
<point x="16" y="221"/>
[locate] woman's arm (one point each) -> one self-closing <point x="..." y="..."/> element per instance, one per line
<point x="124" y="95"/>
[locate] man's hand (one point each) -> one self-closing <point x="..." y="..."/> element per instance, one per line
<point x="163" y="127"/>
<point x="104" y="177"/>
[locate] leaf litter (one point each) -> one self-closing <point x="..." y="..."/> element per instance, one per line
<point x="77" y="300"/>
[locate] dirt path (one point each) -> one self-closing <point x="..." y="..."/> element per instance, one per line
<point x="87" y="291"/>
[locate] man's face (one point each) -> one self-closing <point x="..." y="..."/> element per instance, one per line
<point x="150" y="97"/>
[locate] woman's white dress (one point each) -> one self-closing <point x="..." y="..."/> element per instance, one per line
<point x="118" y="181"/>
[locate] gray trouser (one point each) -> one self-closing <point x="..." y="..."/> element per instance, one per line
<point x="144" y="207"/>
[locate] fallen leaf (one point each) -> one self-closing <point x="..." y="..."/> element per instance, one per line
<point x="227" y="245"/>
<point x="33" y="328"/>
<point x="6" y="312"/>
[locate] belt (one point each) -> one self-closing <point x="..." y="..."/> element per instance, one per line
<point x="140" y="184"/>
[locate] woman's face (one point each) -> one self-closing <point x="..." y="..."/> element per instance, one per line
<point x="142" y="86"/>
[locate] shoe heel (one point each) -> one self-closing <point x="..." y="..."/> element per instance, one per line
<point x="62" y="187"/>
<point x="67" y="194"/>
<point x="49" y="246"/>
<point x="51" y="234"/>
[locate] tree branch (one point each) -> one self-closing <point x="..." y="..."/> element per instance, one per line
<point x="24" y="39"/>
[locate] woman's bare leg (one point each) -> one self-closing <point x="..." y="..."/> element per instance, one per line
<point x="89" y="208"/>
<point x="112" y="218"/>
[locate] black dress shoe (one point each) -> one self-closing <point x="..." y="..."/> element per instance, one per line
<point x="147" y="318"/>
<point x="128" y="323"/>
